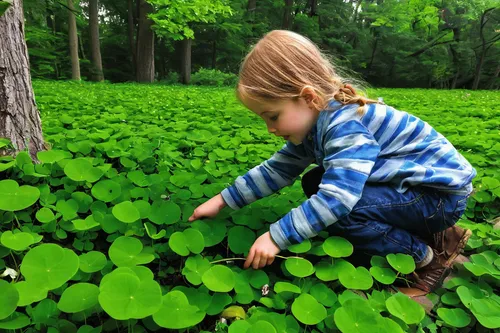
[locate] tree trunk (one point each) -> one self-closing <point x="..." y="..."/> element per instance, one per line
<point x="251" y="6"/>
<point x="287" y="15"/>
<point x="19" y="117"/>
<point x="131" y="38"/>
<point x="480" y="61"/>
<point x="313" y="7"/>
<point x="145" y="45"/>
<point x="95" y="45"/>
<point x="214" y="50"/>
<point x="373" y="53"/>
<point x="494" y="78"/>
<point x="186" y="60"/>
<point x="73" y="42"/>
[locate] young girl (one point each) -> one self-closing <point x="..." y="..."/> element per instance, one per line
<point x="386" y="180"/>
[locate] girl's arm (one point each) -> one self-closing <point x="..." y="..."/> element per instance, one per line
<point x="268" y="177"/>
<point x="350" y="153"/>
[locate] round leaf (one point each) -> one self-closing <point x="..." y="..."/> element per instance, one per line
<point x="299" y="267"/>
<point x="337" y="247"/>
<point x="78" y="297"/>
<point x="219" y="278"/>
<point x="14" y="197"/>
<point x="405" y="308"/>
<point x="307" y="310"/>
<point x="177" y="313"/>
<point x="403" y="263"/>
<point x="9" y="299"/>
<point x="454" y="317"/>
<point x="126" y="212"/>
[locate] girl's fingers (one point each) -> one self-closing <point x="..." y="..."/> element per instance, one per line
<point x="256" y="261"/>
<point x="270" y="260"/>
<point x="249" y="259"/>
<point x="263" y="262"/>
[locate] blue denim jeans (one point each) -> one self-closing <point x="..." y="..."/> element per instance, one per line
<point x="385" y="221"/>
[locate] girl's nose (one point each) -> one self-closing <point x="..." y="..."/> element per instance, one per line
<point x="271" y="130"/>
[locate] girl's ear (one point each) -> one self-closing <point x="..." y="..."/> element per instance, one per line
<point x="309" y="95"/>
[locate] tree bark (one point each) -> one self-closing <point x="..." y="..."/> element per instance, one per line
<point x="484" y="49"/>
<point x="494" y="78"/>
<point x="95" y="46"/>
<point x="251" y="6"/>
<point x="186" y="60"/>
<point x="145" y="45"/>
<point x="19" y="116"/>
<point x="131" y="38"/>
<point x="287" y="15"/>
<point x="73" y="42"/>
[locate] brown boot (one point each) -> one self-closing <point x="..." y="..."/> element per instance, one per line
<point x="450" y="243"/>
<point x="431" y="276"/>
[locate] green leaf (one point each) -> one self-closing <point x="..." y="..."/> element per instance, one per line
<point x="127" y="252"/>
<point x="165" y="213"/>
<point x="177" y="313"/>
<point x="78" y="297"/>
<point x="383" y="275"/>
<point x="14" y="197"/>
<point x="126" y="212"/>
<point x="18" y="241"/>
<point x="403" y="263"/>
<point x="337" y="247"/>
<point x="307" y="310"/>
<point x="240" y="239"/>
<point x="9" y="299"/>
<point x="178" y="243"/>
<point x="45" y="215"/>
<point x="360" y="278"/>
<point x="487" y="312"/>
<point x="219" y="278"/>
<point x="92" y="261"/>
<point x="124" y="296"/>
<point x="280" y="287"/>
<point x="15" y="321"/>
<point x="106" y="190"/>
<point x="300" y="248"/>
<point x="454" y="317"/>
<point x="49" y="266"/>
<point x="29" y="293"/>
<point x="299" y="267"/>
<point x="405" y="308"/>
<point x="194" y="240"/>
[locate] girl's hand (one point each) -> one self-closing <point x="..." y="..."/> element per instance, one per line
<point x="208" y="209"/>
<point x="262" y="252"/>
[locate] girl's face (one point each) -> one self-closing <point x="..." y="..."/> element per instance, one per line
<point x="289" y="119"/>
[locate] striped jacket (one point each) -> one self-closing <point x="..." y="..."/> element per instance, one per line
<point x="382" y="145"/>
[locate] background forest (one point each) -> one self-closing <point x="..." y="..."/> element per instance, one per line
<point x="390" y="43"/>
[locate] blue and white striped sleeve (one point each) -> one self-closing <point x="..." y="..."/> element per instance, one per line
<point x="268" y="177"/>
<point x="350" y="153"/>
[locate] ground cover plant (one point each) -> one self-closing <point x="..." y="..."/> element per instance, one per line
<point x="95" y="236"/>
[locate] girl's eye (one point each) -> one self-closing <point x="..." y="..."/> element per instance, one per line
<point x="274" y="118"/>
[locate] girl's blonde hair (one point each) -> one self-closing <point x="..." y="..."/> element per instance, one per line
<point x="284" y="63"/>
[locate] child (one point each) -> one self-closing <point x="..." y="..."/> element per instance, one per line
<point x="386" y="180"/>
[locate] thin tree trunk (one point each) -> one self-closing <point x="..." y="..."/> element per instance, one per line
<point x="131" y="39"/>
<point x="494" y="77"/>
<point x="186" y="60"/>
<point x="51" y="23"/>
<point x="145" y="44"/>
<point x="95" y="45"/>
<point x="251" y="6"/>
<point x="19" y="117"/>
<point x="287" y="15"/>
<point x="373" y="53"/>
<point x="73" y="42"/>
<point x="214" y="50"/>
<point x="480" y="62"/>
<point x="355" y="17"/>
